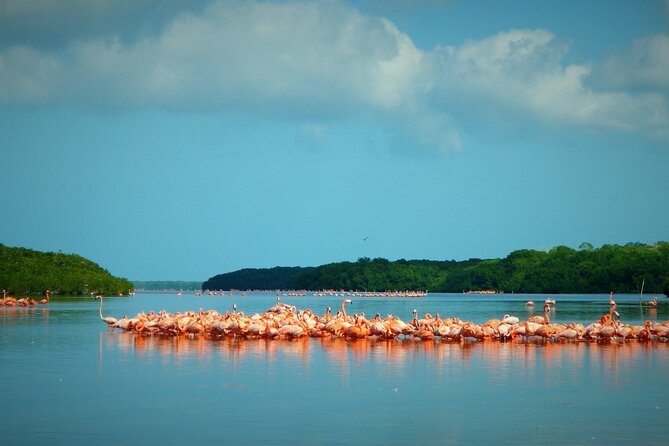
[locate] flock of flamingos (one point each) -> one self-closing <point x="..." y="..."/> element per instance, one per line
<point x="284" y="321"/>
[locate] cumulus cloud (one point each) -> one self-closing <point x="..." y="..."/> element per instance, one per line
<point x="315" y="61"/>
<point x="297" y="60"/>
<point x="522" y="71"/>
<point x="315" y="55"/>
<point x="51" y="23"/>
<point x="644" y="65"/>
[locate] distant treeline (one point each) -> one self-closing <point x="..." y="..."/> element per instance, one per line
<point x="277" y="278"/>
<point x="157" y="285"/>
<point x="27" y="272"/>
<point x="621" y="269"/>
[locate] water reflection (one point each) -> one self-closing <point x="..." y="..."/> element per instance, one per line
<point x="85" y="380"/>
<point x="394" y="357"/>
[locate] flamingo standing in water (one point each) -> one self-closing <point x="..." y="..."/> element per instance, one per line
<point x="542" y="319"/>
<point x="9" y="301"/>
<point x="110" y="321"/>
<point x="46" y="300"/>
<point x="652" y="302"/>
<point x="613" y="313"/>
<point x="343" y="310"/>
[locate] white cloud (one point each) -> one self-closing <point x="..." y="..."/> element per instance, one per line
<point x="295" y="60"/>
<point x="644" y="65"/>
<point x="256" y="55"/>
<point x="314" y="61"/>
<point x="51" y="23"/>
<point x="522" y="71"/>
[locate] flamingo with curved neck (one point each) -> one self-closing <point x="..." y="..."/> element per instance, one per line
<point x="110" y="321"/>
<point x="46" y="300"/>
<point x="542" y="319"/>
<point x="343" y="305"/>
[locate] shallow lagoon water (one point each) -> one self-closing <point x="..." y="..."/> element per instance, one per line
<point x="65" y="379"/>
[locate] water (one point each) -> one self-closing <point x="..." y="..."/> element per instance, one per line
<point x="65" y="379"/>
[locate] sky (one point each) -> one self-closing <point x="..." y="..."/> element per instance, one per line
<point x="177" y="139"/>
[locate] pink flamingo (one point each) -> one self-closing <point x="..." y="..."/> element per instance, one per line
<point x="46" y="300"/>
<point x="542" y="319"/>
<point x="652" y="302"/>
<point x="110" y="321"/>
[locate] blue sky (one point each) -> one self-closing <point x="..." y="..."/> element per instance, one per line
<point x="179" y="140"/>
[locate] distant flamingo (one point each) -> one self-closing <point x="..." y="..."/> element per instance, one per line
<point x="9" y="301"/>
<point x="110" y="321"/>
<point x="46" y="300"/>
<point x="652" y="302"/>
<point x="529" y="303"/>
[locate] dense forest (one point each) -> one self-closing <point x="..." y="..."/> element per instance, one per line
<point x="166" y="285"/>
<point x="621" y="269"/>
<point x="277" y="278"/>
<point x="27" y="272"/>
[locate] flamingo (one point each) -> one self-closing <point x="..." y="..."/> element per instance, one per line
<point x="358" y="330"/>
<point x="378" y="328"/>
<point x="623" y="331"/>
<point x="505" y="331"/>
<point x="606" y="333"/>
<point x="46" y="300"/>
<point x="542" y="319"/>
<point x="613" y="313"/>
<point x="343" y="309"/>
<point x="110" y="321"/>
<point x="425" y="333"/>
<point x="291" y="323"/>
<point x="510" y="319"/>
<point x="9" y="301"/>
<point x="645" y="334"/>
<point x="652" y="302"/>
<point x="660" y="331"/>
<point x="470" y="330"/>
<point x="397" y="326"/>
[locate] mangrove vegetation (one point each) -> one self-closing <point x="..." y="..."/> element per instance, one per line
<point x="28" y="272"/>
<point x="621" y="269"/>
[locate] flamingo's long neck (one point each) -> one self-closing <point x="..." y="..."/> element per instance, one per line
<point x="548" y="320"/>
<point x="343" y="309"/>
<point x="612" y="311"/>
<point x="101" y="309"/>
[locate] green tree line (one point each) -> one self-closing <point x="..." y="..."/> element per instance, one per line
<point x="560" y="270"/>
<point x="277" y="278"/>
<point x="28" y="272"/>
<point x="156" y="285"/>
